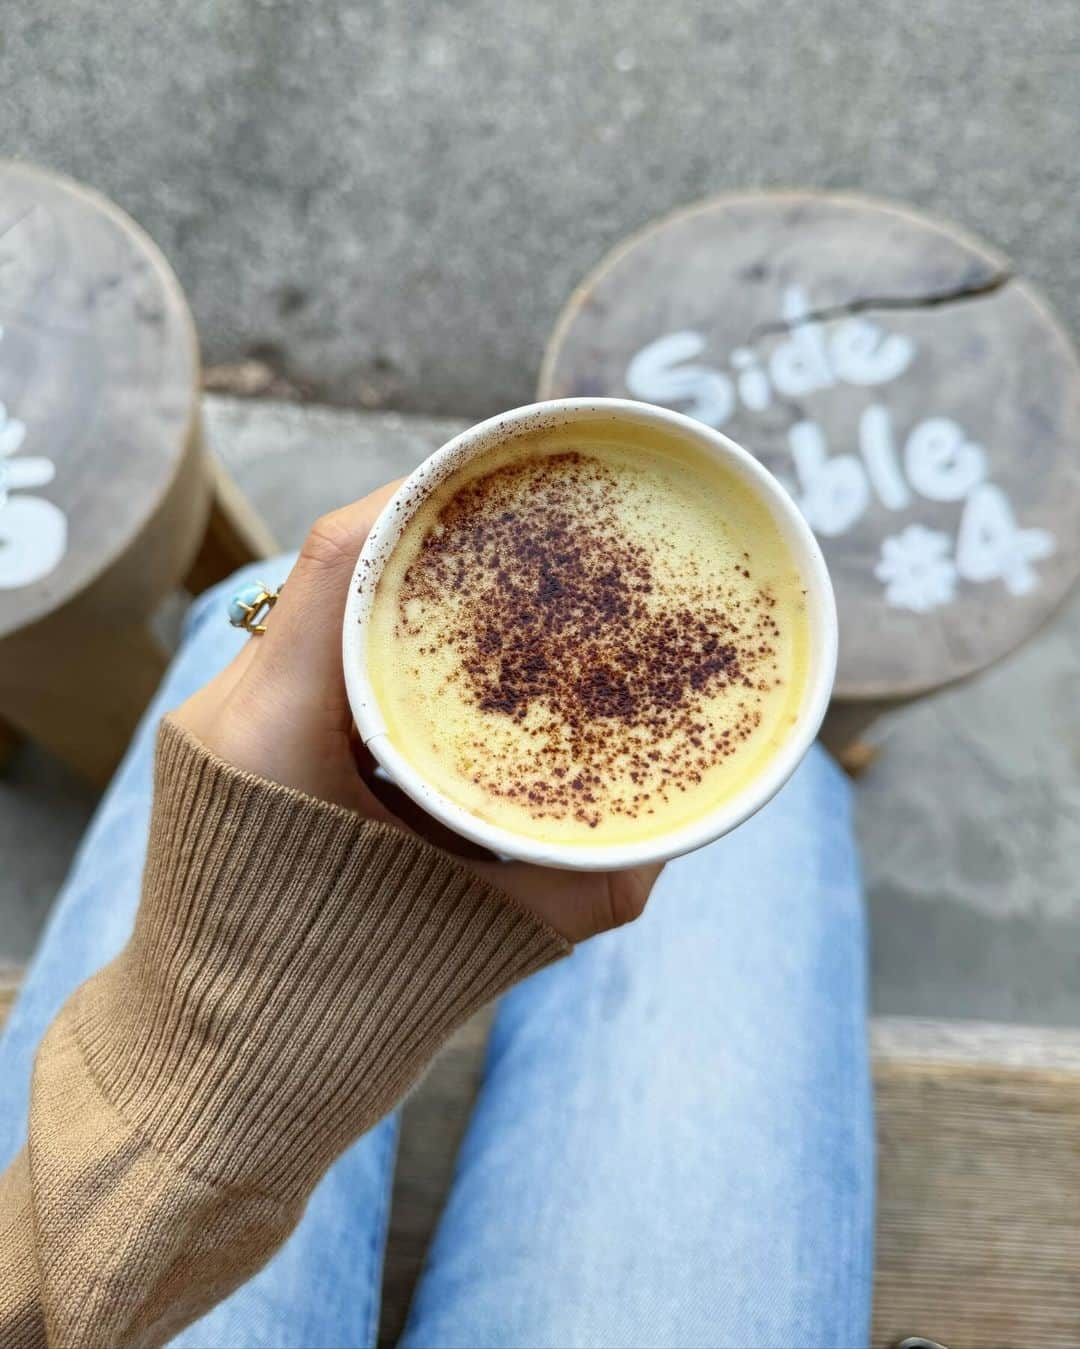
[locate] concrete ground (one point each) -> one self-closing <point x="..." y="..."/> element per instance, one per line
<point x="969" y="820"/>
<point x="390" y="200"/>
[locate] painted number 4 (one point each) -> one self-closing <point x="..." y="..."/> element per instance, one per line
<point x="991" y="545"/>
<point x="919" y="572"/>
<point x="918" y="565"/>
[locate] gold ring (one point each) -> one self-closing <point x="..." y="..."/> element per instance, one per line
<point x="249" y="607"/>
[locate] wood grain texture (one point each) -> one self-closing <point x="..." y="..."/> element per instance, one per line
<point x="914" y="1039"/>
<point x="78" y="689"/>
<point x="988" y="356"/>
<point x="99" y="362"/>
<point x="978" y="1229"/>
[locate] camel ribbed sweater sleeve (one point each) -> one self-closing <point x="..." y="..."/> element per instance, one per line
<point x="292" y="971"/>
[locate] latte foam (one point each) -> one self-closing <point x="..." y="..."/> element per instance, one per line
<point x="593" y="634"/>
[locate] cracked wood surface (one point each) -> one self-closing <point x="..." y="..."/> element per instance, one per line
<point x="988" y="356"/>
<point x="954" y="295"/>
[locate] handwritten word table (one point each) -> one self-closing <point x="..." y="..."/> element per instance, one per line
<point x="107" y="500"/>
<point x="919" y="402"/>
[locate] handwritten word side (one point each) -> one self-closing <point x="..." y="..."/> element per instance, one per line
<point x="937" y="462"/>
<point x="852" y="351"/>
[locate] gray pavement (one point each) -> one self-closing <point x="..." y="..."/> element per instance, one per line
<point x="970" y="830"/>
<point x="390" y="200"/>
<point x="969" y="821"/>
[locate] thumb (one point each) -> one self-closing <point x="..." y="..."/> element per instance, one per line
<point x="301" y="649"/>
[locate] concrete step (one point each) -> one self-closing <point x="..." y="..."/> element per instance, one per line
<point x="295" y="461"/>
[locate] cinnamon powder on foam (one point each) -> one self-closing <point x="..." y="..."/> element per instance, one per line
<point x="603" y="674"/>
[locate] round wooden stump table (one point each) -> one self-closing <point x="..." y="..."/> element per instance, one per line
<point x="920" y="403"/>
<point x="107" y="500"/>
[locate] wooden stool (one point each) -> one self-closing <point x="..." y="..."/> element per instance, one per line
<point x="107" y="500"/>
<point x="921" y="405"/>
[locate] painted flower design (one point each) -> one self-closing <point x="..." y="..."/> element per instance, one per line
<point x="917" y="569"/>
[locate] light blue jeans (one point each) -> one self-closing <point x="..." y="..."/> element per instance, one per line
<point x="672" y="1145"/>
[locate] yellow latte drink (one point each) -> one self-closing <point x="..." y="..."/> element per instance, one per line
<point x="591" y="634"/>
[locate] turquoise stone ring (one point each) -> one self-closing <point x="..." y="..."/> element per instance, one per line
<point x="249" y="607"/>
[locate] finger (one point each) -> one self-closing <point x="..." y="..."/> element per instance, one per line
<point x="201" y="708"/>
<point x="578" y="904"/>
<point x="301" y="649"/>
<point x="363" y="757"/>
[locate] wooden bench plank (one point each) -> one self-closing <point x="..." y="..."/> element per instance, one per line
<point x="978" y="1227"/>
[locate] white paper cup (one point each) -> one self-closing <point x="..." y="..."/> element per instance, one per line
<point x="821" y="609"/>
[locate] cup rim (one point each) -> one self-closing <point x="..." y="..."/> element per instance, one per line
<point x="729" y="814"/>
